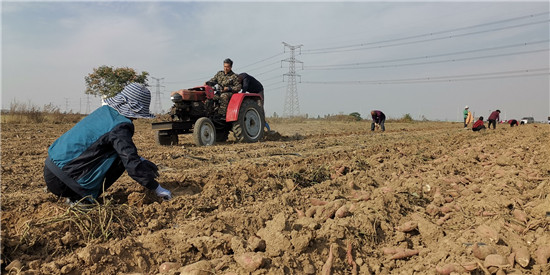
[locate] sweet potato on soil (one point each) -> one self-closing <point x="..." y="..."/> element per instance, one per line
<point x="432" y="209"/>
<point x="481" y="251"/>
<point x="327" y="267"/>
<point x="542" y="254"/>
<point x="404" y="254"/>
<point x="300" y="213"/>
<point x="520" y="215"/>
<point x="469" y="266"/>
<point x="442" y="220"/>
<point x="168" y="266"/>
<point x="249" y="261"/>
<point x="317" y="202"/>
<point x="342" y="212"/>
<point x="360" y="196"/>
<point x="407" y="227"/>
<point x="392" y="250"/>
<point x="449" y="268"/>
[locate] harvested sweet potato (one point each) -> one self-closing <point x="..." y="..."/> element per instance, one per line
<point x="392" y="250"/>
<point x="407" y="227"/>
<point x="404" y="254"/>
<point x="520" y="215"/>
<point x="449" y="268"/>
<point x="300" y="213"/>
<point x="469" y="266"/>
<point x="542" y="254"/>
<point x="249" y="261"/>
<point x="168" y="266"/>
<point x="481" y="251"/>
<point x="343" y="211"/>
<point x="442" y="220"/>
<point x="317" y="202"/>
<point x="327" y="267"/>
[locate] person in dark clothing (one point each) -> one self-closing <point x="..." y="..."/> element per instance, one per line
<point x="227" y="79"/>
<point x="251" y="85"/>
<point x="493" y="118"/>
<point x="478" y="125"/>
<point x="513" y="122"/>
<point x="91" y="156"/>
<point x="378" y="118"/>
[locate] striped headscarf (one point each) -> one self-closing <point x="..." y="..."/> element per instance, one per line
<point x="132" y="102"/>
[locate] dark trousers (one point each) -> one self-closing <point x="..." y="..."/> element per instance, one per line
<point x="465" y="125"/>
<point x="59" y="188"/>
<point x="381" y="125"/>
<point x="479" y="128"/>
<point x="492" y="121"/>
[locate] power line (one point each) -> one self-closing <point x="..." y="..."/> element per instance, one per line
<point x="466" y="77"/>
<point x="263" y="60"/>
<point x="427" y="56"/>
<point x="440" y="61"/>
<point x="340" y="48"/>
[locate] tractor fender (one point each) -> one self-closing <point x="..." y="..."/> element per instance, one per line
<point x="235" y="104"/>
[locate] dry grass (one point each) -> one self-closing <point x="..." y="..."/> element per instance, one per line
<point x="29" y="113"/>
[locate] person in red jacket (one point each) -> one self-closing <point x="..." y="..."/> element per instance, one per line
<point x="493" y="118"/>
<point x="513" y="122"/>
<point x="478" y="125"/>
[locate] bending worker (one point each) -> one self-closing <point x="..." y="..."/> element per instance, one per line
<point x="90" y="157"/>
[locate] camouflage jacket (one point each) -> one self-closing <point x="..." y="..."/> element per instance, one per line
<point x="229" y="80"/>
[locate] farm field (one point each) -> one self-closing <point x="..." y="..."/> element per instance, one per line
<point x="320" y="197"/>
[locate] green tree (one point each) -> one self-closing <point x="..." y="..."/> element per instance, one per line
<point x="356" y="116"/>
<point x="108" y="81"/>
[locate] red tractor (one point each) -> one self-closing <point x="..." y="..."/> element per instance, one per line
<point x="195" y="111"/>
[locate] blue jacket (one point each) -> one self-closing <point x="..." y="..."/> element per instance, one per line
<point x="82" y="156"/>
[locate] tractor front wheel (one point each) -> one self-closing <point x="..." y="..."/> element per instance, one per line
<point x="249" y="127"/>
<point x="204" y="132"/>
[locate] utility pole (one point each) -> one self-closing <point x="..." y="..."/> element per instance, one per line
<point x="88" y="104"/>
<point x="292" y="105"/>
<point x="157" y="109"/>
<point x="66" y="105"/>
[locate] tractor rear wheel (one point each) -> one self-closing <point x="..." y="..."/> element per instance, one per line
<point x="204" y="132"/>
<point x="166" y="138"/>
<point x="249" y="127"/>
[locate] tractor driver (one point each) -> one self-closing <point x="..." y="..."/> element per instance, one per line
<point x="230" y="85"/>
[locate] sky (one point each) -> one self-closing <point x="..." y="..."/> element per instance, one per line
<point x="426" y="59"/>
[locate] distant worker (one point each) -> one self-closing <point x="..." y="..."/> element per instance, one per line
<point x="468" y="117"/>
<point x="478" y="126"/>
<point x="251" y="85"/>
<point x="493" y="118"/>
<point x="378" y="119"/>
<point x="91" y="156"/>
<point x="229" y="82"/>
<point x="513" y="122"/>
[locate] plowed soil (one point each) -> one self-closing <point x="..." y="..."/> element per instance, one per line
<point x="318" y="197"/>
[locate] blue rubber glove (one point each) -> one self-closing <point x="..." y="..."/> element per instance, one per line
<point x="165" y="194"/>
